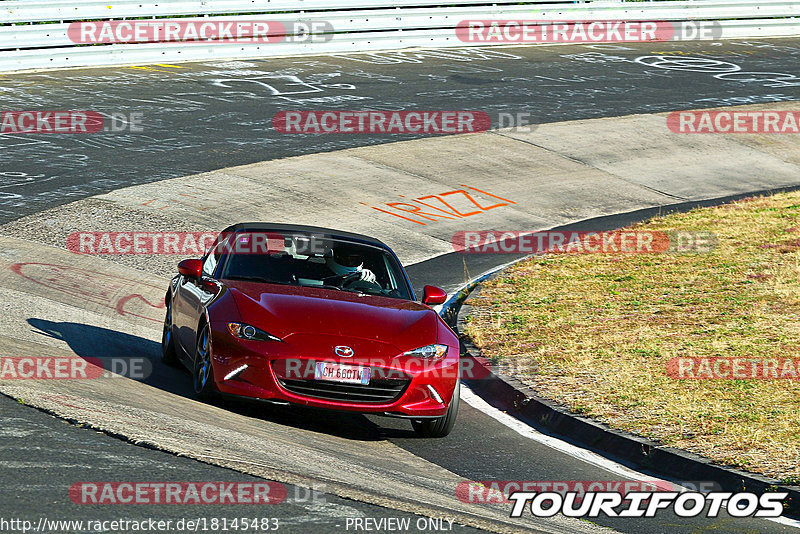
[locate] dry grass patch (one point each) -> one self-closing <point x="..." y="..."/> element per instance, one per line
<point x="595" y="332"/>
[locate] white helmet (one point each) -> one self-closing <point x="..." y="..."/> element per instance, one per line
<point x="345" y="260"/>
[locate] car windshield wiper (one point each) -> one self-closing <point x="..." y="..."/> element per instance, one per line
<point x="329" y="286"/>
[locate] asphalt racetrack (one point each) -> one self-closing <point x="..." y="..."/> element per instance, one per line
<point x="205" y="116"/>
<point x="208" y="116"/>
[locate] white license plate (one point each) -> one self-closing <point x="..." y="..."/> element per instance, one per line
<point x="335" y="372"/>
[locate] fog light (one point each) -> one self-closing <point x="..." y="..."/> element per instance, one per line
<point x="236" y="372"/>
<point x="435" y="394"/>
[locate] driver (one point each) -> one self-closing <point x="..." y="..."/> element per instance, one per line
<point x="344" y="261"/>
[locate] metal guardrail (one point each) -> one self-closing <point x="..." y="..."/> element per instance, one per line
<point x="65" y="10"/>
<point x="14" y="11"/>
<point x="29" y="43"/>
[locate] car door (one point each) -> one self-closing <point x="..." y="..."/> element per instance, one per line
<point x="191" y="298"/>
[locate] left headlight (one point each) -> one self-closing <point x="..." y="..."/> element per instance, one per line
<point x="428" y="351"/>
<point x="246" y="331"/>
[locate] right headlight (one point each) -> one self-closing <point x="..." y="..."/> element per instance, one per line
<point x="428" y="351"/>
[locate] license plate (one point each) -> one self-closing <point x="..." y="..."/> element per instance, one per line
<point x="335" y="372"/>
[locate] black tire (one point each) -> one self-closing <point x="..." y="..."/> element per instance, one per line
<point x="440" y="427"/>
<point x="168" y="355"/>
<point x="202" y="370"/>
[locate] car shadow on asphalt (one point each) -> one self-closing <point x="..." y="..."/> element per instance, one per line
<point x="139" y="359"/>
<point x="131" y="356"/>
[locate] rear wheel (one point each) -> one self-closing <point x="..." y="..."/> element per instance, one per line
<point x="203" y="372"/>
<point x="168" y="355"/>
<point x="440" y="427"/>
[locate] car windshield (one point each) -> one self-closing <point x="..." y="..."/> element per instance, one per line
<point x="313" y="261"/>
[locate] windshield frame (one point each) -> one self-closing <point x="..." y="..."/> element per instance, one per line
<point x="388" y="254"/>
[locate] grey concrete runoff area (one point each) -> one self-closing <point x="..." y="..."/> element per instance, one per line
<point x="57" y="302"/>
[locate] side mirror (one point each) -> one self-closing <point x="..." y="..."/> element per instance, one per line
<point x="191" y="268"/>
<point x="432" y="295"/>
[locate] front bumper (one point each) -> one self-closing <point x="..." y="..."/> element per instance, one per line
<point x="399" y="386"/>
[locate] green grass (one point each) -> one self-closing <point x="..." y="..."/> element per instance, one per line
<point x="594" y="332"/>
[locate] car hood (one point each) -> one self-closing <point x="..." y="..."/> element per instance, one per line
<point x="289" y="310"/>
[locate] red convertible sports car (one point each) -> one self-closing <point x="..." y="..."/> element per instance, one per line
<point x="313" y="316"/>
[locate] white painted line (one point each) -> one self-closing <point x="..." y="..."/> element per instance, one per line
<point x="524" y="430"/>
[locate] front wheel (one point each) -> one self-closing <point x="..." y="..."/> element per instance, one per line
<point x="203" y="372"/>
<point x="440" y="427"/>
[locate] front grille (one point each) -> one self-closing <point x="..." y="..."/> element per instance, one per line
<point x="377" y="391"/>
